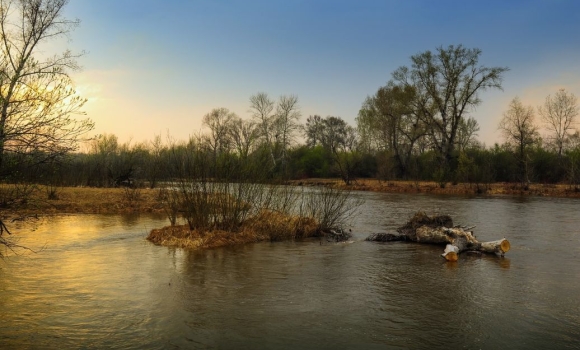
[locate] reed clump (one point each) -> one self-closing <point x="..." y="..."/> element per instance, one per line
<point x="227" y="201"/>
<point x="265" y="226"/>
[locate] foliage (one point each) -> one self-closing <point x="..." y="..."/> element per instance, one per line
<point x="447" y="84"/>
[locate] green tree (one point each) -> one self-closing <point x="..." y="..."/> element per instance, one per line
<point x="313" y="129"/>
<point x="391" y="119"/>
<point x="341" y="141"/>
<point x="448" y="83"/>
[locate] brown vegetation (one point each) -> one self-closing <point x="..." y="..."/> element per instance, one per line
<point x="79" y="200"/>
<point x="502" y="188"/>
<point x="266" y="226"/>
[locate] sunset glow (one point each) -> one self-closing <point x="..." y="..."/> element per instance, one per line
<point x="156" y="68"/>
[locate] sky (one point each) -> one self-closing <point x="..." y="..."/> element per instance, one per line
<point x="156" y="67"/>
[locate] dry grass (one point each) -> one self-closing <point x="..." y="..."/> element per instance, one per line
<point x="549" y="190"/>
<point x="266" y="226"/>
<point x="87" y="200"/>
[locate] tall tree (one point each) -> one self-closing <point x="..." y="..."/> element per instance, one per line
<point x="313" y="129"/>
<point x="220" y="122"/>
<point x="286" y="123"/>
<point x="37" y="100"/>
<point x="520" y="132"/>
<point x="394" y="122"/>
<point x="339" y="140"/>
<point x="559" y="115"/>
<point x="447" y="84"/>
<point x="262" y="109"/>
<point x="244" y="134"/>
<point x="466" y="132"/>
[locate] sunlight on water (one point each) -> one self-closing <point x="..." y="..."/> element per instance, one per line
<point x="97" y="283"/>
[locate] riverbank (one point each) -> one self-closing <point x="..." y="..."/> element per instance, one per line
<point x="264" y="226"/>
<point x="374" y="185"/>
<point x="90" y="200"/>
<point x="37" y="199"/>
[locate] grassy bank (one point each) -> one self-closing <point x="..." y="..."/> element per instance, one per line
<point x="88" y="200"/>
<point x="38" y="199"/>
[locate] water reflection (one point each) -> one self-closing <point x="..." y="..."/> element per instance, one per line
<point x="99" y="284"/>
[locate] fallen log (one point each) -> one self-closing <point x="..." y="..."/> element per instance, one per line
<point x="338" y="235"/>
<point x="386" y="237"/>
<point x="440" y="230"/>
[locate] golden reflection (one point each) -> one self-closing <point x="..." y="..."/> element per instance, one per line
<point x="451" y="265"/>
<point x="504" y="263"/>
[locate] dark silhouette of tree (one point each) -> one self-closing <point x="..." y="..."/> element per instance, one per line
<point x="447" y="83"/>
<point x="37" y="100"/>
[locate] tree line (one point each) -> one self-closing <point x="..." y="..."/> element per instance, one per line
<point x="416" y="127"/>
<point x="274" y="146"/>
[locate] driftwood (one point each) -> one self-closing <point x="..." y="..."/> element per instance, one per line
<point x="440" y="230"/>
<point x="338" y="235"/>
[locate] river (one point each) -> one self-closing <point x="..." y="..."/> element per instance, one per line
<point x="97" y="283"/>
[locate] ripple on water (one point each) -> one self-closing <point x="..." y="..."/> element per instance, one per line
<point x="99" y="284"/>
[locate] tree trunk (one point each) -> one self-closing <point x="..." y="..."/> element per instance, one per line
<point x="439" y="230"/>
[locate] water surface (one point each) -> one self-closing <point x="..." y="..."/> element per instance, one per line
<point x="97" y="283"/>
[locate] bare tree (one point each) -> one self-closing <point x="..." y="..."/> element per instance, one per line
<point x="447" y="84"/>
<point x="286" y="123"/>
<point x="559" y="115"/>
<point x="37" y="100"/>
<point x="262" y="108"/>
<point x="519" y="130"/>
<point x="154" y="163"/>
<point x="466" y="132"/>
<point x="244" y="134"/>
<point x="105" y="144"/>
<point x="219" y="121"/>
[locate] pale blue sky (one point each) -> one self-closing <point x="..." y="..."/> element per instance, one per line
<point x="156" y="66"/>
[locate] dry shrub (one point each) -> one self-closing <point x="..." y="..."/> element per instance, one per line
<point x="266" y="226"/>
<point x="182" y="237"/>
<point x="277" y="226"/>
<point x="331" y="208"/>
<point x="175" y="236"/>
<point x="14" y="196"/>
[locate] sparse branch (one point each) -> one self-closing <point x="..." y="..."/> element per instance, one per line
<point x="447" y="84"/>
<point x="519" y="130"/>
<point x="37" y="98"/>
<point x="559" y="114"/>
